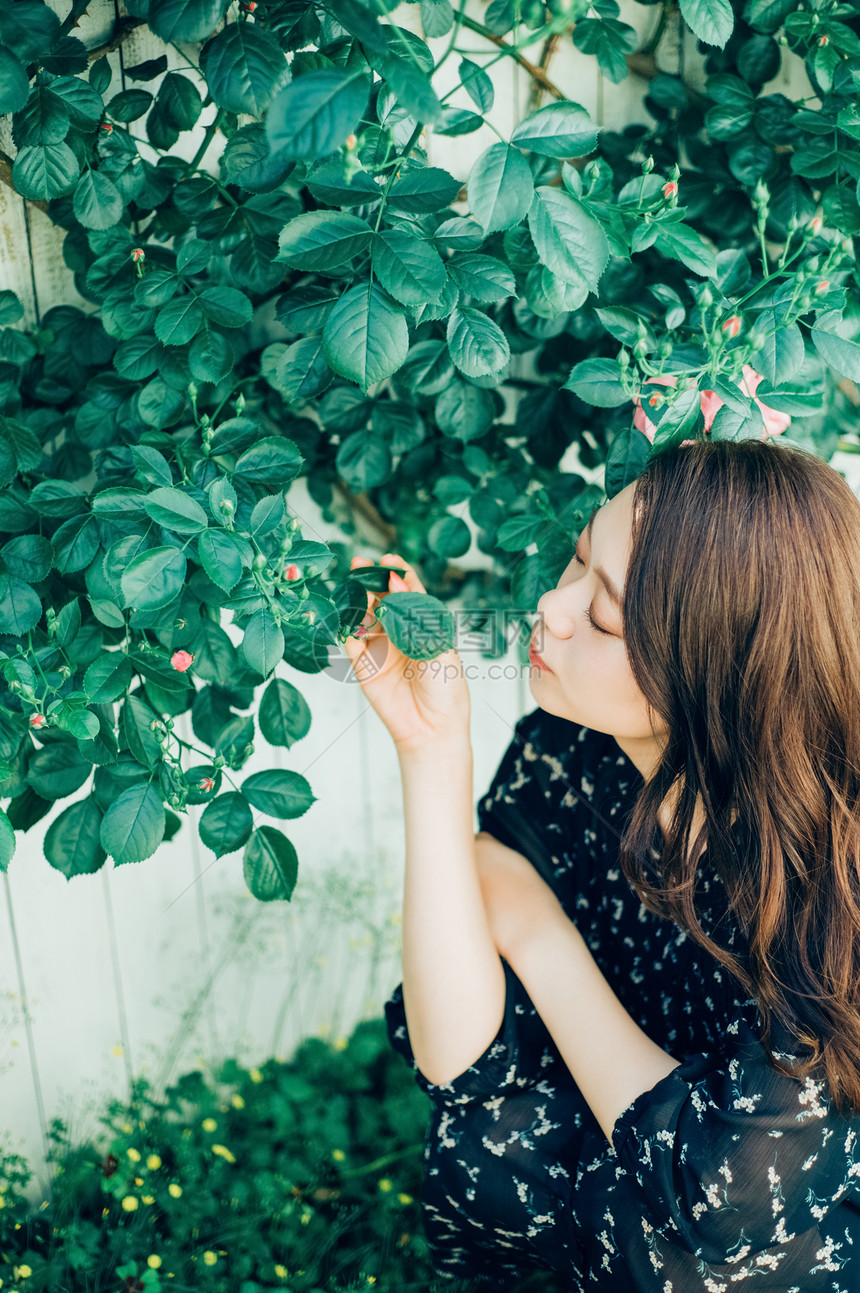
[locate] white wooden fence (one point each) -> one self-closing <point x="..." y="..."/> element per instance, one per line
<point x="171" y="964"/>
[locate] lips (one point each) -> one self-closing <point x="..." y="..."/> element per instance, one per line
<point x="536" y="659"/>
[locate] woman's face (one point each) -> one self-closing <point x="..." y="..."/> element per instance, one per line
<point x="579" y="634"/>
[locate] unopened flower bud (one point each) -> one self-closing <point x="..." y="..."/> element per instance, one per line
<point x="623" y="358"/>
<point x="705" y="297"/>
<point x="670" y="190"/>
<point x="822" y="286"/>
<point x="206" y="784"/>
<point x="137" y="253"/>
<point x="815" y="224"/>
<point x="292" y="571"/>
<point x="226" y="507"/>
<point x="732" y="326"/>
<point x="648" y="166"/>
<point x="38" y="720"/>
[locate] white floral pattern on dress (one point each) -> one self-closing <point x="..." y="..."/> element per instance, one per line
<point x="725" y="1175"/>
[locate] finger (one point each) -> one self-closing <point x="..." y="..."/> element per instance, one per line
<point x="409" y="582"/>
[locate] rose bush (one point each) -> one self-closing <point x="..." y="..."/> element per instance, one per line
<point x="149" y="443"/>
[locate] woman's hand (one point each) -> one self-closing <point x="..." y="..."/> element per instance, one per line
<point x="420" y="701"/>
<point x="519" y="902"/>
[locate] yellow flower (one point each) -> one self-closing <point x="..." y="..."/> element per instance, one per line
<point x="338" y="1155"/>
<point x="385" y="1185"/>
<point x="129" y="1203"/>
<point x="209" y="1124"/>
<point x="134" y="1154"/>
<point x="138" y="1180"/>
<point x="306" y="1216"/>
<point x="148" y="1198"/>
<point x="255" y="1075"/>
<point x="153" y="1162"/>
<point x="404" y="1199"/>
<point x="126" y="1127"/>
<point x="174" y="1190"/>
<point x="238" y="1102"/>
<point x="281" y="1272"/>
<point x="154" y="1261"/>
<point x="22" y="1272"/>
<point x="340" y="1043"/>
<point x="210" y="1258"/>
<point x="223" y="1152"/>
<point x="371" y="1279"/>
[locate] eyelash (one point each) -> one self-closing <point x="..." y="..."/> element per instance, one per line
<point x="587" y="613"/>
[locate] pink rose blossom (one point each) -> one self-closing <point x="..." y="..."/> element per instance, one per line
<point x="710" y="403"/>
<point x="292" y="571"/>
<point x="181" y="660"/>
<point x="670" y="189"/>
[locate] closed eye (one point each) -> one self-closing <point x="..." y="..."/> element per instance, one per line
<point x="587" y="613"/>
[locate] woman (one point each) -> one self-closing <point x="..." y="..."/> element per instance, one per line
<point x="634" y="997"/>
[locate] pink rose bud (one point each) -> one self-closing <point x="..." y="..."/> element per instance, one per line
<point x="106" y="127"/>
<point x="206" y="784"/>
<point x="37" y="720"/>
<point x="181" y="660"/>
<point x="292" y="571"/>
<point x="360" y="631"/>
<point x="396" y="584"/>
<point x="815" y="224"/>
<point x="824" y="40"/>
<point x="137" y="253"/>
<point x="670" y="189"/>
<point x="732" y="326"/>
<point x="310" y="616"/>
<point x="822" y="286"/>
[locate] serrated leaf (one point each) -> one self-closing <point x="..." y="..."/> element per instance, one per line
<point x="133" y="826"/>
<point x="270" y="865"/>
<point x="420" y="626"/>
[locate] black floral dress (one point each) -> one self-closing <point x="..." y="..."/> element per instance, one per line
<point x="726" y="1174"/>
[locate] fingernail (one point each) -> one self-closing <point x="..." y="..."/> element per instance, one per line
<point x="396" y="584"/>
<point x="360" y="561"/>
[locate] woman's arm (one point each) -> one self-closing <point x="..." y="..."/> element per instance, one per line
<point x="453" y="980"/>
<point x="611" y="1059"/>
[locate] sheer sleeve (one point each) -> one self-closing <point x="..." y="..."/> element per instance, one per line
<point x="734" y="1157"/>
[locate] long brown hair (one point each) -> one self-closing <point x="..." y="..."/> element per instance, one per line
<point x="742" y="625"/>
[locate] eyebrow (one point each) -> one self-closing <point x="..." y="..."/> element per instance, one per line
<point x="608" y="583"/>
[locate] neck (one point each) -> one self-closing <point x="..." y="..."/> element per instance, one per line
<point x="644" y="753"/>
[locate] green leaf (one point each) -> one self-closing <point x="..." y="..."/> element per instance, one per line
<point x="609" y="40"/>
<point x="363" y="460"/>
<point x="175" y="510"/>
<point x="75" y="543"/>
<point x="263" y="643"/>
<point x="44" y="171"/>
<point x="569" y="240"/>
<point x="220" y="558"/>
<point x="137" y="720"/>
<point x="271" y="865"/>
<point x="838" y="352"/>
<point x="731" y="424"/>
<point x="322" y="240"/>
<point x="108" y="677"/>
<point x="151" y="465"/>
<point x="477" y="345"/>
<point x="477" y="84"/>
<point x="284" y="715"/>
<point x="274" y="461"/>
<point x="179" y="320"/>
<point x="7" y="841"/>
<point x="133" y="826"/>
<point x="711" y="20"/>
<point x="598" y="382"/>
<point x="226" y="823"/>
<point x="185" y="20"/>
<point x="97" y="201"/>
<point x="626" y="460"/>
<point x="129" y="105"/>
<point x="210" y="357"/>
<point x="154" y="578"/>
<point x="11" y="310"/>
<point x="29" y="27"/>
<point x="437" y="18"/>
<point x="500" y="187"/>
<point x="313" y="115"/>
<point x="243" y="66"/>
<point x="412" y="88"/>
<point x="225" y="306"/>
<point x="681" y="242"/>
<point x="20" y="606"/>
<point x="782" y="353"/>
<point x="28" y="557"/>
<point x="365" y="336"/>
<point x="420" y="626"/>
<point x="562" y="129"/>
<point x="449" y="537"/>
<point x="424" y="188"/>
<point x="277" y="793"/>
<point x="72" y="842"/>
<point x="14" y="86"/>
<point x="482" y="277"/>
<point x="58" y="770"/>
<point x="410" y="269"/>
<point x="178" y="102"/>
